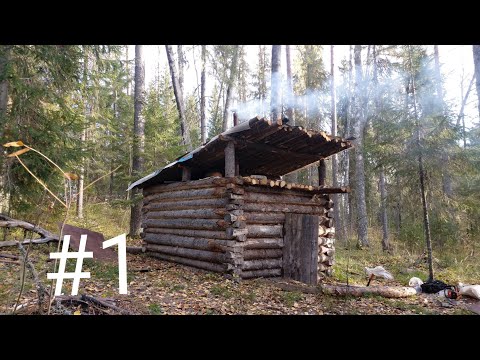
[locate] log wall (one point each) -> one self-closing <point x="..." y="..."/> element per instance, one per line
<point x="264" y="211"/>
<point x="227" y="225"/>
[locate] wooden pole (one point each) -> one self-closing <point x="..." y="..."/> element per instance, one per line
<point x="230" y="159"/>
<point x="186" y="174"/>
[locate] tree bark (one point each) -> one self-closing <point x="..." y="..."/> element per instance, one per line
<point x="275" y="102"/>
<point x="362" y="228"/>
<point x="383" y="207"/>
<point x="139" y="138"/>
<point x="4" y="59"/>
<point x="181" y="62"/>
<point x="203" y="127"/>
<point x="476" y="61"/>
<point x="230" y="87"/>
<point x="179" y="99"/>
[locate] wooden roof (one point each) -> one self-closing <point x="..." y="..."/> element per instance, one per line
<point x="262" y="147"/>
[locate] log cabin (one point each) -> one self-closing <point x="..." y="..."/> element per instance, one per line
<point x="224" y="207"/>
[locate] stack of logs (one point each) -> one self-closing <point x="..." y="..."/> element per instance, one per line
<point x="229" y="224"/>
<point x="188" y="223"/>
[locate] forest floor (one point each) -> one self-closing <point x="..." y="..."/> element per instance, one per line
<point x="159" y="287"/>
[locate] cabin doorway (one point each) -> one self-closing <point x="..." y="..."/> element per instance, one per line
<point x="300" y="248"/>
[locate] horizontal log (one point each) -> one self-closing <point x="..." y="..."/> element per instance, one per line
<point x="194" y="184"/>
<point x="285" y="208"/>
<point x="385" y="291"/>
<point x="284" y="191"/>
<point x="134" y="249"/>
<point x="187" y="214"/>
<point x="231" y="218"/>
<point x="195" y="254"/>
<point x="325" y="259"/>
<point x="257" y="197"/>
<point x="205" y="265"/>
<point x="215" y="245"/>
<point x="187" y="194"/>
<point x="249" y="274"/>
<point x="267" y="243"/>
<point x="238" y="233"/>
<point x="346" y="290"/>
<point x="262" y="231"/>
<point x="262" y="264"/>
<point x="208" y="234"/>
<point x="200" y="224"/>
<point x="185" y="204"/>
<point x="262" y="254"/>
<point x="264" y="218"/>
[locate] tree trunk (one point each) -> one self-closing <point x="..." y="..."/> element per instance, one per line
<point x="476" y="61"/>
<point x="383" y="207"/>
<point x="333" y="101"/>
<point x="181" y="62"/>
<point x="230" y="86"/>
<point x="4" y="58"/>
<point x="421" y="173"/>
<point x="203" y="127"/>
<point x="275" y="103"/>
<point x="179" y="99"/>
<point x="360" y="120"/>
<point x="83" y="138"/>
<point x="139" y="138"/>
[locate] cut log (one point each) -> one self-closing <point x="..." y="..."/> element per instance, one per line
<point x="208" y="234"/>
<point x="263" y="231"/>
<point x="185" y="204"/>
<point x="209" y="182"/>
<point x="385" y="291"/>
<point x="264" y="218"/>
<point x="262" y="254"/>
<point x="134" y="249"/>
<point x="200" y="224"/>
<point x="285" y="208"/>
<point x="345" y="290"/>
<point x="267" y="243"/>
<point x="327" y="251"/>
<point x="257" y="197"/>
<point x="262" y="264"/>
<point x="203" y="255"/>
<point x="187" y="194"/>
<point x="187" y="214"/>
<point x="190" y="262"/>
<point x="248" y="274"/>
<point x="215" y="245"/>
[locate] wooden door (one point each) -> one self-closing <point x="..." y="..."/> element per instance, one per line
<point x="300" y="248"/>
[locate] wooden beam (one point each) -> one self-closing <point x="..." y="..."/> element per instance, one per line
<point x="230" y="159"/>
<point x="186" y="173"/>
<point x="322" y="172"/>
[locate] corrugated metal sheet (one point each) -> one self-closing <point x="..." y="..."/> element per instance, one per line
<point x="261" y="147"/>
